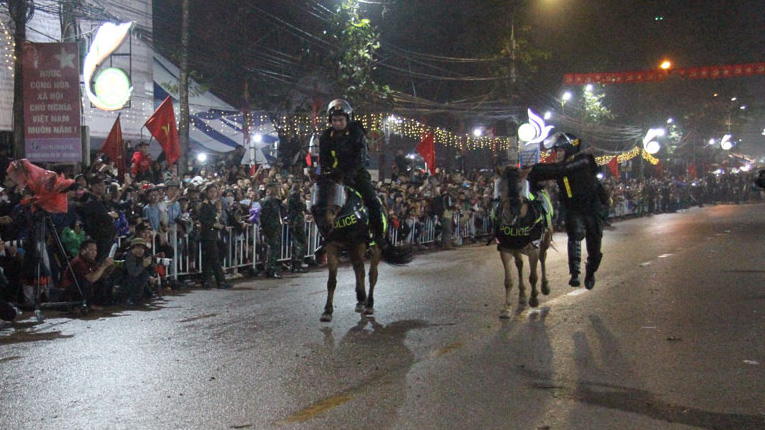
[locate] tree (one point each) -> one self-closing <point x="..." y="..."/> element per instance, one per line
<point x="350" y="60"/>
<point x="183" y="90"/>
<point x="21" y="12"/>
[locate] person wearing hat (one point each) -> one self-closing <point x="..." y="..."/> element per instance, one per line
<point x="141" y="163"/>
<point x="98" y="219"/>
<point x="137" y="281"/>
<point x="271" y="227"/>
<point x="211" y="226"/>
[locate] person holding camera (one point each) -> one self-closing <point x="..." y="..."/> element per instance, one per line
<point x="136" y="285"/>
<point x="90" y="275"/>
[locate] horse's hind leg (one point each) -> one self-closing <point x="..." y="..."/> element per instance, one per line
<point x="506" y="256"/>
<point x="533" y="259"/>
<point x="374" y="261"/>
<point x="333" y="262"/>
<point x="357" y="261"/>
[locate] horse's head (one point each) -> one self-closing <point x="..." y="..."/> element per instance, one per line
<point x="510" y="190"/>
<point x="327" y="198"/>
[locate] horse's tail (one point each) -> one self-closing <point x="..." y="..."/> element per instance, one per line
<point x="397" y="255"/>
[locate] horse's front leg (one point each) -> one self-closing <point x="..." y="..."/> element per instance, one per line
<point x="533" y="259"/>
<point x="333" y="262"/>
<point x="546" y="239"/>
<point x="522" y="298"/>
<point x="356" y="253"/>
<point x="374" y="261"/>
<point x="506" y="256"/>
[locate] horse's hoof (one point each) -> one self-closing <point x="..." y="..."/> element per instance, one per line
<point x="359" y="307"/>
<point x="369" y="311"/>
<point x="325" y="317"/>
<point x="534" y="302"/>
<point x="505" y="314"/>
<point x="545" y="288"/>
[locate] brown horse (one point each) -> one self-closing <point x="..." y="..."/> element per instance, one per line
<point x="343" y="222"/>
<point x="522" y="226"/>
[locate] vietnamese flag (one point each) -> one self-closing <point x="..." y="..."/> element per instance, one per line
<point x="427" y="149"/>
<point x="613" y="166"/>
<point x="114" y="147"/>
<point x="162" y="126"/>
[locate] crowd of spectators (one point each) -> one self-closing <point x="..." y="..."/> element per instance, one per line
<point x="138" y="209"/>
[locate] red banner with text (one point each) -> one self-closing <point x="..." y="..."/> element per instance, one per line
<point x="706" y="72"/>
<point x="51" y="102"/>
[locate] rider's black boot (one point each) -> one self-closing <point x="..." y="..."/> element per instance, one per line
<point x="574" y="261"/>
<point x="593" y="262"/>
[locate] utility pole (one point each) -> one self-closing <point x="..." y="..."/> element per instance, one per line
<point x="183" y="90"/>
<point x="21" y="12"/>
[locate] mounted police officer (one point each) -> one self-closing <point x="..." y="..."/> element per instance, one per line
<point x="271" y="227"/>
<point x="343" y="155"/>
<point x="583" y="198"/>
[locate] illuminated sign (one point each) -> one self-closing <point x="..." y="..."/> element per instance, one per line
<point x="108" y="38"/>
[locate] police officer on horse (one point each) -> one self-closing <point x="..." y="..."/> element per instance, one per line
<point x="584" y="199"/>
<point x="343" y="155"/>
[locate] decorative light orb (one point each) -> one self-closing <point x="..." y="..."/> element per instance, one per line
<point x="112" y="87"/>
<point x="566" y="96"/>
<point x="652" y="147"/>
<point x="527" y="132"/>
<point x="257" y="138"/>
<point x="477" y="132"/>
<point x="201" y="157"/>
<point x="726" y="145"/>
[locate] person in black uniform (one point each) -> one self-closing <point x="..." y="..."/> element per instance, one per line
<point x="343" y="155"/>
<point x="210" y="227"/>
<point x="584" y="199"/>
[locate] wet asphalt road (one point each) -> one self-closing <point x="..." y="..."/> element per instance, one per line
<point x="670" y="338"/>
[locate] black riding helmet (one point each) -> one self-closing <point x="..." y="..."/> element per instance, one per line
<point x="339" y="107"/>
<point x="566" y="141"/>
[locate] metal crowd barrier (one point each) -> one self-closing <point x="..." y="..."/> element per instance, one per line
<point x="245" y="248"/>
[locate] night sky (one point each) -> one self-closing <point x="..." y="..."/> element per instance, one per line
<point x="582" y="36"/>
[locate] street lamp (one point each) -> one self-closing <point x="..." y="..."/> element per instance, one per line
<point x="563" y="99"/>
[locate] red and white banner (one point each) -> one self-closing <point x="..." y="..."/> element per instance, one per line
<point x="706" y="72"/>
<point x="51" y="83"/>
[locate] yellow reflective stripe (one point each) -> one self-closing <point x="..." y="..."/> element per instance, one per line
<point x="384" y="216"/>
<point x="334" y="157"/>
<point x="568" y="187"/>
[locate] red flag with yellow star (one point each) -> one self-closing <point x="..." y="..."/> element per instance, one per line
<point x="162" y="126"/>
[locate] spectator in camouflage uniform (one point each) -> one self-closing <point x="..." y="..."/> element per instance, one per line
<point x="296" y="218"/>
<point x="211" y="225"/>
<point x="271" y="227"/>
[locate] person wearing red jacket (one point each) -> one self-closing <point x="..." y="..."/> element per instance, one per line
<point x="141" y="163"/>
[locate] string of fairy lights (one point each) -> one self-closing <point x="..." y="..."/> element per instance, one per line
<point x="7" y="56"/>
<point x="626" y="156"/>
<point x="302" y="126"/>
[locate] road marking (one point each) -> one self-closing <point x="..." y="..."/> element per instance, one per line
<point x="317" y="409"/>
<point x="578" y="292"/>
<point x="446" y="350"/>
